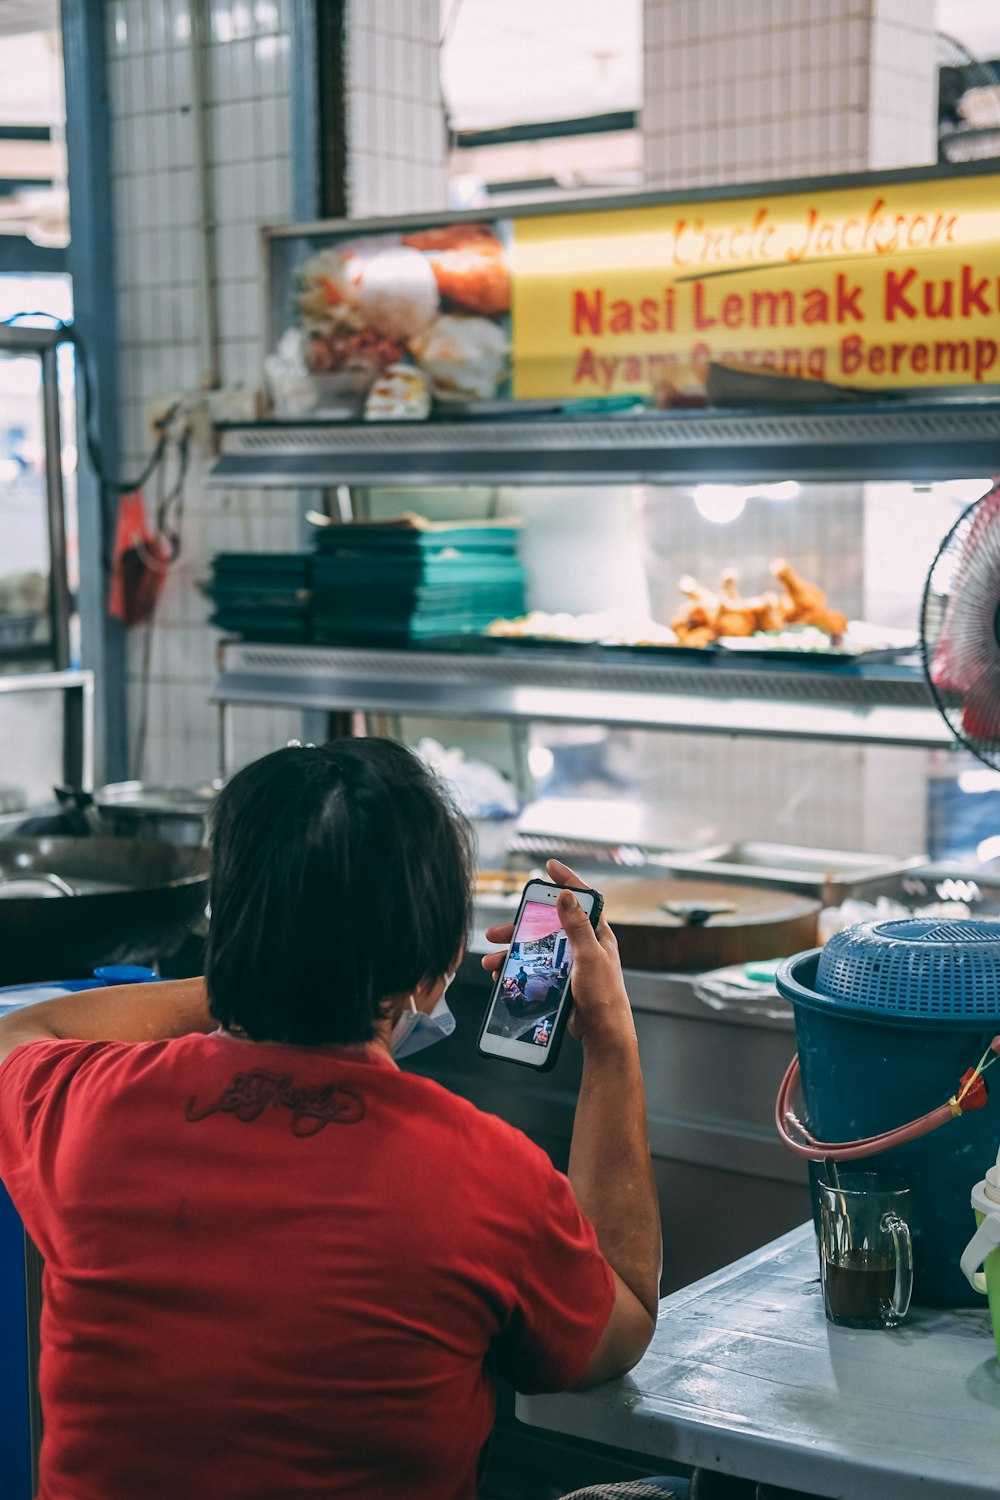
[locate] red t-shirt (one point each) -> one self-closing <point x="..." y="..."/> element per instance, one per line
<point x="274" y="1273"/>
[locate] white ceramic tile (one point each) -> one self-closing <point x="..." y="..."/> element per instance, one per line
<point x="123" y="203"/>
<point x="281" y="143"/>
<point x="133" y="85"/>
<point x="681" y="18"/>
<point x="885" y="45"/>
<point x="247" y="82"/>
<point x="157" y="23"/>
<point x="280" y="63"/>
<point x="432" y="73"/>
<point x="139" y="24"/>
<point x="221" y="87"/>
<point x="221" y="134"/>
<point x="116" y="84"/>
<point x="116" y="27"/>
<point x="179" y="23"/>
<point x="159" y="143"/>
<point x="226" y="196"/>
<point x="261" y="124"/>
<point x="220" y="20"/>
<point x="267" y="181"/>
<point x="267" y="17"/>
<point x="276" y="186"/>
<point x="243" y="22"/>
<point x="137" y="148"/>
<point x="181" y="125"/>
<point x="183" y="188"/>
<point x="178" y="87"/>
<point x="246" y="119"/>
<point x="231" y="250"/>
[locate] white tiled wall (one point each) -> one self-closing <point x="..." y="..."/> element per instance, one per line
<point x="397" y="152"/>
<point x="756" y="90"/>
<point x="396" y="164"/>
<point x="903" y="87"/>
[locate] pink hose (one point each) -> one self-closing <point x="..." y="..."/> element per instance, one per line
<point x="806" y="1146"/>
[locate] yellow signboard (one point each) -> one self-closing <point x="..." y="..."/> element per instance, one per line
<point x="893" y="285"/>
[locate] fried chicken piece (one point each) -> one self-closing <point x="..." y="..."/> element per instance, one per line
<point x="469" y="265"/>
<point x="805" y="603"/>
<point x="450" y="237"/>
<point x="697" y="635"/>
<point x="770" y="615"/>
<point x="475" y="279"/>
<point x="736" y="615"/>
<point x="694" y="624"/>
<point x="701" y="609"/>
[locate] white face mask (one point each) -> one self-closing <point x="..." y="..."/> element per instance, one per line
<point x="417" y="1029"/>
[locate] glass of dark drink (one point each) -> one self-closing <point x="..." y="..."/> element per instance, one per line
<point x="866" y="1254"/>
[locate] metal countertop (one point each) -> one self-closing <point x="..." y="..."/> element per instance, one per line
<point x="745" y="1376"/>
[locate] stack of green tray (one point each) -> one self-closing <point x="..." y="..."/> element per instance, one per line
<point x="261" y="596"/>
<point x="412" y="581"/>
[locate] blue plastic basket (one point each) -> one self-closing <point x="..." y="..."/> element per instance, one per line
<point x="888" y="1016"/>
<point x="944" y="971"/>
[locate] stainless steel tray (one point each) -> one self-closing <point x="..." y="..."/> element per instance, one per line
<point x="827" y="873"/>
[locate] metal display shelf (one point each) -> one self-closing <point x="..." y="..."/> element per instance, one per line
<point x="870" y="440"/>
<point x="871" y="704"/>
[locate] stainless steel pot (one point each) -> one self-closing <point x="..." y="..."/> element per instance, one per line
<point x="174" y="815"/>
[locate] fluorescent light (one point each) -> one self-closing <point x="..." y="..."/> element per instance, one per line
<point x="540" y="761"/>
<point x="786" y="489"/>
<point x="720" y="503"/>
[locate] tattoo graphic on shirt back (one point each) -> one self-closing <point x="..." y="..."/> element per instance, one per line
<point x="248" y="1095"/>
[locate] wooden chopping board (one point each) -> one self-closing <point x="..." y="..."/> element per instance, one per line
<point x="762" y="923"/>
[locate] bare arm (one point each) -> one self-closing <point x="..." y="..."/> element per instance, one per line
<point x="609" y="1164"/>
<point x="124" y="1013"/>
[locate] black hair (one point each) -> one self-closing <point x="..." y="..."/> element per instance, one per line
<point x="341" y="876"/>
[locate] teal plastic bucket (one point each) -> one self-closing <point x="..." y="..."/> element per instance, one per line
<point x="887" y="1019"/>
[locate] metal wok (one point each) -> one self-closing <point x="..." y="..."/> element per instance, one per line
<point x="67" y="905"/>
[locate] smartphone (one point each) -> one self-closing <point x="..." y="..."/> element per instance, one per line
<point x="531" y="999"/>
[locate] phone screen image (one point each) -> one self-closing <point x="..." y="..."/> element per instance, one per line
<point x="534" y="978"/>
<point x="530" y="1003"/>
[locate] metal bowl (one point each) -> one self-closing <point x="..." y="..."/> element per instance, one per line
<point x="135" y="809"/>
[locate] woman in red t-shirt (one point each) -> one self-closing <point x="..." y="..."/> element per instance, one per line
<point x="276" y="1264"/>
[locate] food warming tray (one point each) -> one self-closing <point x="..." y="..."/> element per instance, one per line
<point x="827" y="873"/>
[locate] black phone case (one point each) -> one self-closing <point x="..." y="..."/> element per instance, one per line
<point x="562" y="1020"/>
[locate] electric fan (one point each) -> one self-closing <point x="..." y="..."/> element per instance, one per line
<point x="960" y="628"/>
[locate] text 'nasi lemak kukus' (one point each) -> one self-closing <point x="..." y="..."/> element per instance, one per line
<point x="866" y="286"/>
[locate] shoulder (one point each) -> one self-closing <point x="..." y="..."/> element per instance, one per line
<point x="40" y="1068"/>
<point x="486" y="1133"/>
<point x="45" y="1056"/>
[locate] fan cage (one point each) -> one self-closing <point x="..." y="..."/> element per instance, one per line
<point x="933" y="614"/>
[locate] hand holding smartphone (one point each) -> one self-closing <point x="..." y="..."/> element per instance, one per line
<point x="531" y="1000"/>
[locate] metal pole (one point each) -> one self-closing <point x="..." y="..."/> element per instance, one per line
<point x="59" y="602"/>
<point x="208" y="321"/>
<point x="90" y="260"/>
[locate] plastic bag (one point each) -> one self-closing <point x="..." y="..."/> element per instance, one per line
<point x="478" y="789"/>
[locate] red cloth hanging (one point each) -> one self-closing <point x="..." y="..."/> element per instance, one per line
<point x="139" y="566"/>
